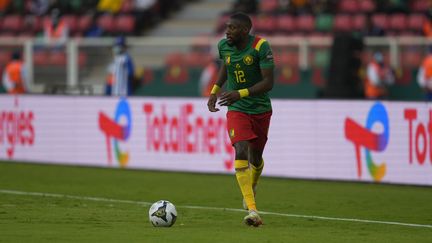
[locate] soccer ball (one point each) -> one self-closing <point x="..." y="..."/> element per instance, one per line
<point x="162" y="214"/>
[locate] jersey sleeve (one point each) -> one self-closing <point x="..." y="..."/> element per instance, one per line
<point x="265" y="56"/>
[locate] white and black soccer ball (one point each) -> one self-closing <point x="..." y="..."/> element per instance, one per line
<point x="162" y="214"/>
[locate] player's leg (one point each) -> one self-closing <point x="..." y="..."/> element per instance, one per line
<point x="253" y="218"/>
<point x="256" y="166"/>
<point x="240" y="131"/>
<point x="261" y="123"/>
<point x="260" y="127"/>
<point x="244" y="179"/>
<point x="243" y="173"/>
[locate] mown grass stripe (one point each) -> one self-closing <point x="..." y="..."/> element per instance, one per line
<point x="110" y="200"/>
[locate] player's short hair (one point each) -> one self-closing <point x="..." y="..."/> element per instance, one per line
<point x="243" y="18"/>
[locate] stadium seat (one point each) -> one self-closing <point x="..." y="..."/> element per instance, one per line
<point x="265" y="24"/>
<point x="124" y="24"/>
<point x="71" y="22"/>
<point x="287" y="74"/>
<point x="41" y="58"/>
<point x="285" y="24"/>
<point x="287" y="58"/>
<point x="57" y="58"/>
<point x="268" y="5"/>
<point x="197" y="59"/>
<point x="176" y="74"/>
<point x="342" y="23"/>
<point x="411" y="58"/>
<point x="84" y="23"/>
<point x="358" y="22"/>
<point x="82" y="58"/>
<point x="44" y="20"/>
<point x="318" y="77"/>
<point x="31" y="25"/>
<point x="287" y="63"/>
<point x="419" y="6"/>
<point x="324" y="23"/>
<point x="106" y="22"/>
<point x="404" y="76"/>
<point x="305" y="23"/>
<point x="366" y="6"/>
<point x="12" y="23"/>
<point x="146" y="75"/>
<point x="348" y="6"/>
<point x="380" y="20"/>
<point x="321" y="58"/>
<point x="127" y="6"/>
<point x="5" y="56"/>
<point x="397" y="22"/>
<point x="175" y="58"/>
<point x="415" y="22"/>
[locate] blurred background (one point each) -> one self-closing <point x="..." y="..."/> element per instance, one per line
<point x="322" y="48"/>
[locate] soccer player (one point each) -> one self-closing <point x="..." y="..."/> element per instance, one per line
<point x="248" y="67"/>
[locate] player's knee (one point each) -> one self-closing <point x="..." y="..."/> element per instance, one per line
<point x="256" y="162"/>
<point x="241" y="155"/>
<point x="255" y="157"/>
<point x="241" y="150"/>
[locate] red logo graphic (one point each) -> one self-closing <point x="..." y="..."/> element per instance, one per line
<point x="186" y="133"/>
<point x="16" y="128"/>
<point x="117" y="132"/>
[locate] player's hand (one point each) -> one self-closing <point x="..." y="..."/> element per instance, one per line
<point x="228" y="98"/>
<point x="211" y="103"/>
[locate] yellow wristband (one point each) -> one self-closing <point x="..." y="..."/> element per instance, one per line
<point x="243" y="93"/>
<point x="215" y="89"/>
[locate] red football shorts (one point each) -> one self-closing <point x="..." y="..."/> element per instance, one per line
<point x="248" y="127"/>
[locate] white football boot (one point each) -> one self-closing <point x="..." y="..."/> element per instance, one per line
<point x="253" y="219"/>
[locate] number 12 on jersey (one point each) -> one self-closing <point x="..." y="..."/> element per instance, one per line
<point x="240" y="76"/>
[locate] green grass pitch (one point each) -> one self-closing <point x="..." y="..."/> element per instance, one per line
<point x="48" y="203"/>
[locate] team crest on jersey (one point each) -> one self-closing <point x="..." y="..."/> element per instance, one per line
<point x="248" y="59"/>
<point x="228" y="60"/>
<point x="231" y="133"/>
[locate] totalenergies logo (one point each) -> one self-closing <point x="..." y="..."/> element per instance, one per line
<point x="186" y="132"/>
<point x="16" y="129"/>
<point x="116" y="132"/>
<point x="364" y="137"/>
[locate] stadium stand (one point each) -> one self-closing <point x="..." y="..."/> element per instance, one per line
<point x="330" y="18"/>
<point x="272" y="18"/>
<point x="90" y="18"/>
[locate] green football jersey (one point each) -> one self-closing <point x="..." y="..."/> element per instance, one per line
<point x="244" y="71"/>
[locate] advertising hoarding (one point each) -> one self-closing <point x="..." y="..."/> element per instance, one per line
<point x="386" y="142"/>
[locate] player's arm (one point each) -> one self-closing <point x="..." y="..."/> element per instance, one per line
<point x="222" y="77"/>
<point x="267" y="69"/>
<point x="265" y="85"/>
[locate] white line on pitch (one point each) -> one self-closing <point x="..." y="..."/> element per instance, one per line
<point x="101" y="199"/>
